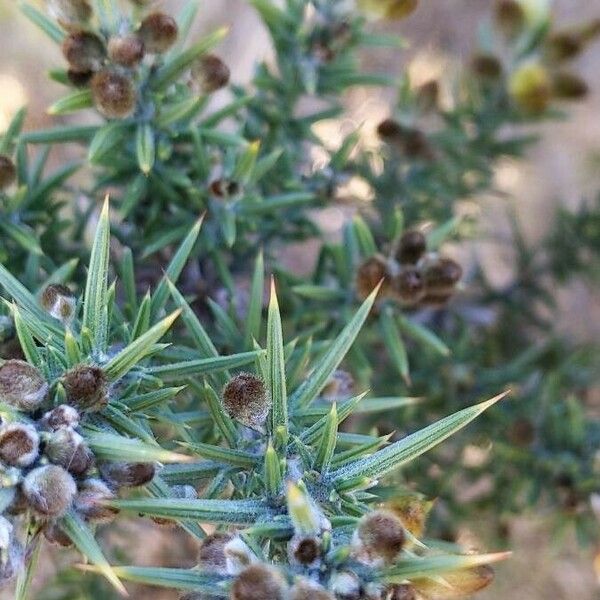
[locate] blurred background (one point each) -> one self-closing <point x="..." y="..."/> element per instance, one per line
<point x="564" y="167"/>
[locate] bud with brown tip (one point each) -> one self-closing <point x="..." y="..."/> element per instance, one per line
<point x="126" y="50"/>
<point x="84" y="51"/>
<point x="369" y="274"/>
<point x="158" y="31"/>
<point x="259" y="582"/>
<point x="409" y="286"/>
<point x="49" y="490"/>
<point x="309" y="590"/>
<point x="59" y="301"/>
<point x="70" y="12"/>
<point x="22" y="385"/>
<point x="123" y="474"/>
<point x="210" y="73"/>
<point x="86" y="387"/>
<point x="63" y="416"/>
<point x="345" y="585"/>
<point x="113" y="93"/>
<point x="305" y="550"/>
<point x="339" y="387"/>
<point x="8" y="171"/>
<point x="245" y="398"/>
<point x="89" y="501"/>
<point x="568" y="86"/>
<point x="67" y="448"/>
<point x="19" y="444"/>
<point x="380" y="535"/>
<point x="442" y="275"/>
<point x="412" y="246"/>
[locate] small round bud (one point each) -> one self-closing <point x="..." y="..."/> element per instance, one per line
<point x="66" y="448"/>
<point x="123" y="474"/>
<point x="63" y="416"/>
<point x="19" y="444"/>
<point x="126" y="50"/>
<point x="510" y="17"/>
<point x="568" y="86"/>
<point x="345" y="585"/>
<point x="563" y="45"/>
<point x="411" y="248"/>
<point x="246" y="400"/>
<point x="59" y="301"/>
<point x="381" y="535"/>
<point x="210" y="73"/>
<point x="55" y="535"/>
<point x="70" y="12"/>
<point x="339" y="387"/>
<point x="224" y="188"/>
<point x="309" y="590"/>
<point x="211" y="554"/>
<point x="409" y="286"/>
<point x="389" y="129"/>
<point x="530" y="87"/>
<point x="113" y="93"/>
<point x="369" y="274"/>
<point x="49" y="490"/>
<point x="259" y="582"/>
<point x="487" y="67"/>
<point x="8" y="171"/>
<point x="304" y="550"/>
<point x="442" y="275"/>
<point x="86" y="387"/>
<point x="79" y="79"/>
<point x="158" y="31"/>
<point x="89" y="501"/>
<point x="84" y="51"/>
<point x="22" y="385"/>
<point x="401" y="591"/>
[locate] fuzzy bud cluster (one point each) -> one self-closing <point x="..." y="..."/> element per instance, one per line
<point x="409" y="142"/>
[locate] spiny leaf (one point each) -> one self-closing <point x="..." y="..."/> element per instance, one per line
<point x="144" y="147"/>
<point x="236" y="458"/>
<point x="272" y="472"/>
<point x="328" y="440"/>
<point x="255" y="304"/>
<point x="143" y="402"/>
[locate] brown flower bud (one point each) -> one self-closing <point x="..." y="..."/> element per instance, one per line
<point x="389" y="129"/>
<point x="61" y="417"/>
<point x="510" y="17"/>
<point x="8" y="171"/>
<point x="339" y="387"/>
<point x="55" y="535"/>
<point x="486" y="66"/>
<point x="89" y="501"/>
<point x="158" y="32"/>
<point x="22" y="385"/>
<point x="70" y="12"/>
<point x="246" y="400"/>
<point x="530" y="87"/>
<point x="568" y="86"/>
<point x="59" y="301"/>
<point x="49" y="490"/>
<point x="84" y="51"/>
<point x="411" y="248"/>
<point x="126" y="50"/>
<point x="409" y="286"/>
<point x="86" y="387"/>
<point x="113" y="93"/>
<point x="19" y="444"/>
<point x="381" y="535"/>
<point x="79" y="79"/>
<point x="210" y="73"/>
<point x="67" y="448"/>
<point x="259" y="582"/>
<point x="456" y="584"/>
<point x="563" y="45"/>
<point x="211" y="554"/>
<point x="401" y="591"/>
<point x="123" y="474"/>
<point x="309" y="590"/>
<point x="369" y="274"/>
<point x="442" y="275"/>
<point x="304" y="549"/>
<point x="224" y="188"/>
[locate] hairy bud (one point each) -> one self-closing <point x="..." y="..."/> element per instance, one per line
<point x="409" y="286"/>
<point x="84" y="51"/>
<point x="345" y="585"/>
<point x="113" y="93"/>
<point x="19" y="444"/>
<point x="442" y="275"/>
<point x="8" y="171"/>
<point x="210" y="73"/>
<point x="412" y="246"/>
<point x="126" y="50"/>
<point x="66" y="448"/>
<point x="59" y="301"/>
<point x="563" y="45"/>
<point x="89" y="501"/>
<point x="86" y="387"/>
<point x="211" y="554"/>
<point x="401" y="591"/>
<point x="530" y="87"/>
<point x="123" y="474"/>
<point x="457" y="584"/>
<point x="568" y="86"/>
<point x="63" y="416"/>
<point x="339" y="387"/>
<point x="381" y="534"/>
<point x="22" y="385"/>
<point x="510" y="17"/>
<point x="258" y="582"/>
<point x="370" y="273"/>
<point x="304" y="549"/>
<point x="246" y="400"/>
<point x="70" y="12"/>
<point x="309" y="590"/>
<point x="158" y="31"/>
<point x="49" y="490"/>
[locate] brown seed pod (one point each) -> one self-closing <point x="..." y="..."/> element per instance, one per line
<point x="412" y="246"/>
<point x="210" y="73"/>
<point x="89" y="501"/>
<point x="401" y="591"/>
<point x="381" y="535"/>
<point x="409" y="286"/>
<point x="59" y="301"/>
<point x="62" y="416"/>
<point x="84" y="51"/>
<point x="487" y="67"/>
<point x="309" y="590"/>
<point x="49" y="490"/>
<point x="8" y="171"/>
<point x="158" y="31"/>
<point x="19" y="444"/>
<point x="304" y="549"/>
<point x="79" y="79"/>
<point x="123" y="474"/>
<point x="369" y="274"/>
<point x="246" y="400"/>
<point x="67" y="448"/>
<point x="126" y="50"/>
<point x="259" y="582"/>
<point x="441" y="276"/>
<point x="86" y="387"/>
<point x="456" y="584"/>
<point x="568" y="86"/>
<point x="113" y="93"/>
<point x="22" y="385"/>
<point x="211" y="554"/>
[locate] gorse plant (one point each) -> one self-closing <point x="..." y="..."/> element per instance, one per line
<point x="162" y="387"/>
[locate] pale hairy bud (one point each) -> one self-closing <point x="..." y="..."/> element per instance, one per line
<point x="123" y="474"/>
<point x="381" y="535"/>
<point x="114" y="94"/>
<point x="22" y="385"/>
<point x="369" y="274"/>
<point x="238" y="556"/>
<point x="84" y="51"/>
<point x="19" y="444"/>
<point x="68" y="449"/>
<point x="13" y="561"/>
<point x="70" y="12"/>
<point x="59" y="301"/>
<point x="126" y="50"/>
<point x="158" y="31"/>
<point x="339" y="387"/>
<point x="246" y="400"/>
<point x="49" y="490"/>
<point x="63" y="416"/>
<point x="86" y="387"/>
<point x="6" y="532"/>
<point x="345" y="585"/>
<point x="211" y="553"/>
<point x="259" y="582"/>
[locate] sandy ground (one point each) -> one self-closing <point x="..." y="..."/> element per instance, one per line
<point x="562" y="168"/>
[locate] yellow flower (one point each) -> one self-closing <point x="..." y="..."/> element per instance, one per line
<point x="531" y="88"/>
<point x="388" y="9"/>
